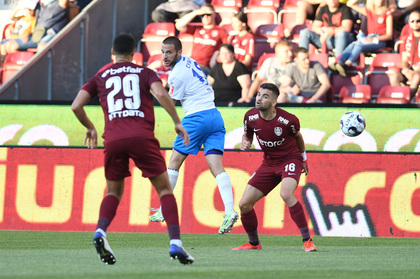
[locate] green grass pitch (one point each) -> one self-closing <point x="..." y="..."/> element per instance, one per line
<point x="140" y="255"/>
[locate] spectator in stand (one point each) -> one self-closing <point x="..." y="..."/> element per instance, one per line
<point x="207" y="39"/>
<point x="333" y="25"/>
<point x="22" y="25"/>
<point x="306" y="9"/>
<point x="243" y="42"/>
<point x="309" y="76"/>
<point x="380" y="30"/>
<point x="22" y="22"/>
<point x="51" y="16"/>
<point x="172" y="10"/>
<point x="273" y="68"/>
<point x="401" y="9"/>
<point x="410" y="57"/>
<point x="230" y="79"/>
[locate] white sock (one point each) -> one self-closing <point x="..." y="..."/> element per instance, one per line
<point x="177" y="242"/>
<point x="101" y="231"/>
<point x="173" y="178"/>
<point x="225" y="189"/>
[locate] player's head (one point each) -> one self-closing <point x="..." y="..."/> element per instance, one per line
<point x="267" y="96"/>
<point x="123" y="45"/>
<point x="171" y="51"/>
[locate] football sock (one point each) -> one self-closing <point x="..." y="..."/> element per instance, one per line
<point x="225" y="189"/>
<point x="177" y="242"/>
<point x="250" y="223"/>
<point x="298" y="216"/>
<point x="170" y="213"/>
<point x="107" y="211"/>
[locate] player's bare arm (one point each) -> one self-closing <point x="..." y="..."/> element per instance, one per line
<point x="167" y="103"/>
<point x="301" y="145"/>
<point x="246" y="143"/>
<point x="82" y="99"/>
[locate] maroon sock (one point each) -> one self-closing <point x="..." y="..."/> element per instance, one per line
<point x="170" y="213"/>
<point x="250" y="223"/>
<point x="107" y="211"/>
<point x="298" y="216"/>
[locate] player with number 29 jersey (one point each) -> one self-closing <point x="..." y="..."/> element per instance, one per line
<point x="127" y="106"/>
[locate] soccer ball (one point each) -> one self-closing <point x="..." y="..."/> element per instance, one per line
<point x="352" y="123"/>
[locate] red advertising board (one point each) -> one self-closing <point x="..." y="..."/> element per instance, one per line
<point x="345" y="194"/>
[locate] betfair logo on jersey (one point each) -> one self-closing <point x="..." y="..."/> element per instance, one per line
<point x="125" y="69"/>
<point x="282" y="120"/>
<point x="254" y="117"/>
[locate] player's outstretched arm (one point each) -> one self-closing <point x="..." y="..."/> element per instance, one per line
<point x="246" y="143"/>
<point x="82" y="99"/>
<point x="167" y="103"/>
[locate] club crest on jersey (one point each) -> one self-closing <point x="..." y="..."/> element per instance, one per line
<point x="253" y="117"/>
<point x="278" y="131"/>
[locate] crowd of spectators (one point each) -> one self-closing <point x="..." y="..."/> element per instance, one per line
<point x="35" y="22"/>
<point x="343" y="29"/>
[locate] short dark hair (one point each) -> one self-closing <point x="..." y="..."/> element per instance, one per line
<point x="272" y="87"/>
<point x="124" y="44"/>
<point x="172" y="40"/>
<point x="228" y="47"/>
<point x="300" y="50"/>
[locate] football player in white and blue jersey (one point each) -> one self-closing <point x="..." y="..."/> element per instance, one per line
<point x="203" y="122"/>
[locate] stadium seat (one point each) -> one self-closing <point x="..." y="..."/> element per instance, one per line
<point x="6" y="27"/>
<point x="405" y="32"/>
<point x="261" y="60"/>
<point x="261" y="12"/>
<point x="266" y="36"/>
<point x="337" y="82"/>
<point x="417" y="98"/>
<point x="187" y="43"/>
<point x="355" y="94"/>
<point x="229" y="29"/>
<point x="287" y="15"/>
<point x="376" y="75"/>
<point x="138" y="58"/>
<point x="227" y="9"/>
<point x="321" y="58"/>
<point x="153" y="36"/>
<point x="394" y="94"/>
<point x="13" y="63"/>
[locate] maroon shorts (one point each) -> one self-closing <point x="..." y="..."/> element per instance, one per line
<point x="267" y="177"/>
<point x="145" y="153"/>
